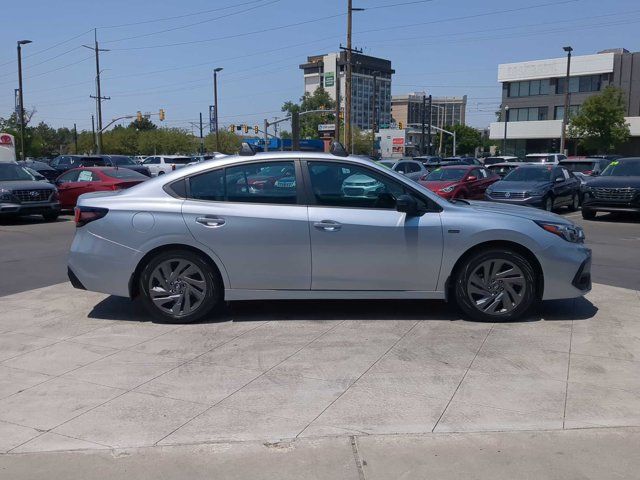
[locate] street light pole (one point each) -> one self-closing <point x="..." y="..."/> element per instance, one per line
<point x="21" y="99"/>
<point x="215" y="104"/>
<point x="506" y="121"/>
<point x="374" y="120"/>
<point x="565" y="116"/>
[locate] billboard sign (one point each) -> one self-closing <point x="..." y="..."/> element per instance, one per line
<point x="329" y="79"/>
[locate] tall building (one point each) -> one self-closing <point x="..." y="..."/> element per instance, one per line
<point x="407" y="109"/>
<point x="534" y="94"/>
<point x="328" y="71"/>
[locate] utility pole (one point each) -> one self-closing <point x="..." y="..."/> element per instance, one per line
<point x="373" y="116"/>
<point x="429" y="134"/>
<point x="423" y="123"/>
<point x="336" y="135"/>
<point x="565" y="117"/>
<point x="201" y="136"/>
<point x="21" y="99"/>
<point x="98" y="95"/>
<point x="93" y="130"/>
<point x="347" y="94"/>
<point x="506" y="121"/>
<point x="75" y="138"/>
<point x="215" y="104"/>
<point x="266" y="135"/>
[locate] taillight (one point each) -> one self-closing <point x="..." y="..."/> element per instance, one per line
<point x="588" y="172"/>
<point x="84" y="215"/>
<point x="116" y="187"/>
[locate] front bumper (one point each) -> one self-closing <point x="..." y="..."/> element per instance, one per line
<point x="566" y="270"/>
<point x="533" y="201"/>
<point x="605" y="205"/>
<point x="35" y="208"/>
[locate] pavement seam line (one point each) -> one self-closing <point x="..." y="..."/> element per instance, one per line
<point x="566" y="390"/>
<point x="463" y="377"/>
<point x="252" y="380"/>
<point x="360" y="376"/>
<point x="357" y="457"/>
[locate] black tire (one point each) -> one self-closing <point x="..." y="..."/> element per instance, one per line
<point x="50" y="216"/>
<point x="575" y="203"/>
<point x="588" y="214"/>
<point x="547" y="204"/>
<point x="160" y="172"/>
<point x="214" y="288"/>
<point x="466" y="300"/>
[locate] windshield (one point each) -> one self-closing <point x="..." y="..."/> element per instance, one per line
<point x="493" y="160"/>
<point x="622" y="169"/>
<point x="529" y="175"/>
<point x="580" y="166"/>
<point x="122" y="161"/>
<point x="123" y="173"/>
<point x="9" y="171"/>
<point x="92" y="162"/>
<point x="446" y="174"/>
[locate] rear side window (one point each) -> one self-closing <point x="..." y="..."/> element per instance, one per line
<point x="208" y="186"/>
<point x="178" y="161"/>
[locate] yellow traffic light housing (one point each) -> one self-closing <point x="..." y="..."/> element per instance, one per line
<point x="245" y="128"/>
<point x="256" y="130"/>
<point x="139" y="116"/>
<point x="161" y="114"/>
<point x="400" y="125"/>
<point x="232" y="128"/>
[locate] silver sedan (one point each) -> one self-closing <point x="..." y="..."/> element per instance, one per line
<point x="287" y="226"/>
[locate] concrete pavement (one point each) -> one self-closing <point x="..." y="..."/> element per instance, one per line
<point x="81" y="371"/>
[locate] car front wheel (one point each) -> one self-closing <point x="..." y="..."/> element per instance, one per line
<point x="575" y="203"/>
<point x="180" y="287"/>
<point x="588" y="214"/>
<point x="548" y="204"/>
<point x="497" y="285"/>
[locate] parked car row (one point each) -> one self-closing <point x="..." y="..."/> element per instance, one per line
<point x="66" y="162"/>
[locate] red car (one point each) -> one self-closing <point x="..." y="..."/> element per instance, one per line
<point x="459" y="181"/>
<point x="74" y="183"/>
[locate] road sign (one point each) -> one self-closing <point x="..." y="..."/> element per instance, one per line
<point x="212" y="119"/>
<point x="329" y="79"/>
<point x="326" y="127"/>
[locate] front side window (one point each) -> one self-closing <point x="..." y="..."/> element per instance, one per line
<point x="345" y="185"/>
<point x="87" y="176"/>
<point x="69" y="177"/>
<point x="152" y="161"/>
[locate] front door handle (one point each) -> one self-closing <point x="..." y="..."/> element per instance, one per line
<point x="328" y="225"/>
<point x="208" y="221"/>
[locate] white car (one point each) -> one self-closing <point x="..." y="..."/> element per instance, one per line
<point x="161" y="164"/>
<point x="140" y="158"/>
<point x="544" y="157"/>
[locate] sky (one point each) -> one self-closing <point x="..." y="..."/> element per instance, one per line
<point x="162" y="53"/>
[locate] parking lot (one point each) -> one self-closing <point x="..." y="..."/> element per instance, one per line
<point x="314" y="389"/>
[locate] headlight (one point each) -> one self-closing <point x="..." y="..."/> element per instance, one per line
<point x="534" y="193"/>
<point x="448" y="189"/>
<point x="570" y="233"/>
<point x="6" y="196"/>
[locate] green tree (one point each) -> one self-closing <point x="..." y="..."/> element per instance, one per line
<point x="600" y="125"/>
<point x="467" y="139"/>
<point x="361" y="141"/>
<point x="143" y="125"/>
<point x="309" y="123"/>
<point x="229" y="142"/>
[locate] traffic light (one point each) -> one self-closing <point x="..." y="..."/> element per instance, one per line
<point x="400" y="125"/>
<point x="232" y="128"/>
<point x="256" y="130"/>
<point x="245" y="128"/>
<point x="161" y="114"/>
<point x="139" y="116"/>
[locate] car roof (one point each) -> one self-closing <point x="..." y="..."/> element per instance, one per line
<point x="458" y="167"/>
<point x="507" y="164"/>
<point x="582" y="160"/>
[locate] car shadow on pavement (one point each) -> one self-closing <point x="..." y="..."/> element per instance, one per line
<point x="625" y="217"/>
<point x="118" y="308"/>
<point x="8" y="220"/>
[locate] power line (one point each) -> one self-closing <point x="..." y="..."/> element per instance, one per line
<point x="271" y="2"/>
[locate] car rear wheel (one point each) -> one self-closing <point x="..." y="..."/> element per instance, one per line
<point x="588" y="214"/>
<point x="498" y="285"/>
<point x="179" y="286"/>
<point x="575" y="203"/>
<point x="548" y="204"/>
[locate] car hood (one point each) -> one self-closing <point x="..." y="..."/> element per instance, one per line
<point x="437" y="185"/>
<point x="517" y="211"/>
<point x="614" y="182"/>
<point x="506" y="186"/>
<point x="24" y="185"/>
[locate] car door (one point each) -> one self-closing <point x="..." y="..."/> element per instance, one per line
<point x="561" y="187"/>
<point x="255" y="223"/>
<point x="67" y="184"/>
<point x="474" y="186"/>
<point x="153" y="164"/>
<point x="358" y="239"/>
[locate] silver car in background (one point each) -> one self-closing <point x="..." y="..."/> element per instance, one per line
<point x="184" y="242"/>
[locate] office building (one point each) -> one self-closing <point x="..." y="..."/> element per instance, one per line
<point x="328" y="71"/>
<point x="534" y="94"/>
<point x="407" y="109"/>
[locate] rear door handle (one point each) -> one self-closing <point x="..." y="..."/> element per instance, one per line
<point x="328" y="225"/>
<point x="209" y="221"/>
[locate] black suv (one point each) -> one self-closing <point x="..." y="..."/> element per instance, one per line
<point x="617" y="189"/>
<point x="21" y="194"/>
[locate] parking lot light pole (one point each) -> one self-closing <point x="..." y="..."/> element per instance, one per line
<point x="215" y="104"/>
<point x="21" y="99"/>
<point x="506" y="121"/>
<point x="565" y="116"/>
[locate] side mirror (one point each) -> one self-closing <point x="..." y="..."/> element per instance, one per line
<point x="558" y="180"/>
<point x="407" y="204"/>
<point x="471" y="178"/>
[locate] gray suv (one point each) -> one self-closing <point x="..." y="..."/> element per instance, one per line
<point x="22" y="194"/>
<point x="292" y="225"/>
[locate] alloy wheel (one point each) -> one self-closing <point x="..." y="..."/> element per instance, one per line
<point x="548" y="204"/>
<point x="496" y="287"/>
<point x="177" y="287"/>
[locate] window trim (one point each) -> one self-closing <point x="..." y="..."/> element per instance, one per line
<point x="310" y="198"/>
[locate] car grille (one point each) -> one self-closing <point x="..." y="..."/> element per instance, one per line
<point x="34" y="195"/>
<point x="353" y="192"/>
<point x="626" y="194"/>
<point x="508" y="195"/>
